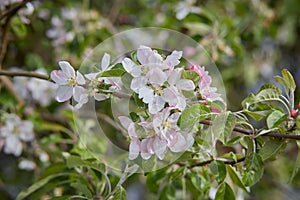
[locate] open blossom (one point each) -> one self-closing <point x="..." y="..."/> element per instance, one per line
<point x="156" y="136"/>
<point x="68" y="81"/>
<point x="14" y="132"/>
<point x="156" y="81"/>
<point x="207" y="92"/>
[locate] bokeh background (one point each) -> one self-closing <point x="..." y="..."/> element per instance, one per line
<point x="249" y="40"/>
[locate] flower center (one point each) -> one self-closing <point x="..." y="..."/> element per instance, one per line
<point x="72" y="81"/>
<point x="166" y="124"/>
<point x="158" y="90"/>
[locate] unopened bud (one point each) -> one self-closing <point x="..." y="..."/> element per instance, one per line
<point x="294" y="114"/>
<point x="299" y="106"/>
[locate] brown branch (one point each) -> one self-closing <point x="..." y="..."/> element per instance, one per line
<point x="10" y="12"/>
<point x="200" y="164"/>
<point x="24" y="73"/>
<point x="249" y="132"/>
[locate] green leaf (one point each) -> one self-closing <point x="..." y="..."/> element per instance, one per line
<point x="296" y="165"/>
<point x="275" y="118"/>
<point x="75" y="161"/>
<point x="235" y="177"/>
<point x="253" y="163"/>
<point x="82" y="187"/>
<point x="197" y="28"/>
<point x="298" y="122"/>
<point x="18" y="27"/>
<point x="288" y="79"/>
<point x="193" y="115"/>
<point x="38" y="185"/>
<point x="223" y="125"/>
<point x="224" y="192"/>
<point x="154" y="179"/>
<point x="218" y="169"/>
<point x="191" y="75"/>
<point x="271" y="149"/>
<point x="113" y="73"/>
<point x="120" y="194"/>
<point x="168" y="193"/>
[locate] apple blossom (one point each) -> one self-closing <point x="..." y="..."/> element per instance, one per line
<point x="14" y="132"/>
<point x="207" y="92"/>
<point x="67" y="81"/>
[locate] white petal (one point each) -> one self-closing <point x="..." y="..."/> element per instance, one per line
<point x="156" y="76"/>
<point x="101" y="97"/>
<point x="146" y="93"/>
<point x="184" y="84"/>
<point x="156" y="105"/>
<point x="78" y="91"/>
<point x="134" y="149"/>
<point x="179" y="145"/>
<point x="143" y="53"/>
<point x="64" y="93"/>
<point x="26" y="133"/>
<point x="173" y="59"/>
<point x="145" y="153"/>
<point x="79" y="78"/>
<point x="125" y="121"/>
<point x="105" y="61"/>
<point x="59" y="77"/>
<point x="137" y="84"/>
<point x="67" y="68"/>
<point x="91" y="76"/>
<point x="174" y="76"/>
<point x="160" y="147"/>
<point x="131" y="67"/>
<point x="13" y="145"/>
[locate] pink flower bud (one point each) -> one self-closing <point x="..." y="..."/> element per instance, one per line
<point x="294" y="114"/>
<point x="299" y="106"/>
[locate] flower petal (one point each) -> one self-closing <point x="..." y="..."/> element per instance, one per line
<point x="105" y="61"/>
<point x="64" y="93"/>
<point x="13" y="145"/>
<point x="174" y="76"/>
<point x="26" y="133"/>
<point x="125" y="121"/>
<point x="131" y="67"/>
<point x="156" y="104"/>
<point x="173" y="59"/>
<point x="59" y="77"/>
<point x="146" y="93"/>
<point x="184" y="84"/>
<point x="101" y="97"/>
<point x="79" y="78"/>
<point x="159" y="147"/>
<point x="134" y="149"/>
<point x="67" y="68"/>
<point x="156" y="76"/>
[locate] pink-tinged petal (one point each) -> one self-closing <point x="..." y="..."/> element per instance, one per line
<point x="64" y="93"/>
<point x="105" y="61"/>
<point x="78" y="91"/>
<point x="146" y="55"/>
<point x="84" y="98"/>
<point x="146" y="125"/>
<point x="184" y="84"/>
<point x="156" y="105"/>
<point x="179" y="143"/>
<point x="160" y="147"/>
<point x="145" y="153"/>
<point x="134" y="149"/>
<point x="13" y="145"/>
<point x="131" y="131"/>
<point x="137" y="83"/>
<point x="26" y="133"/>
<point x="173" y="119"/>
<point x="101" y="97"/>
<point x="67" y="68"/>
<point x="125" y="121"/>
<point x="146" y="93"/>
<point x="59" y="77"/>
<point x="174" y="76"/>
<point x="156" y="76"/>
<point x="131" y="67"/>
<point x="173" y="59"/>
<point x="91" y="76"/>
<point x="79" y="78"/>
<point x="170" y="95"/>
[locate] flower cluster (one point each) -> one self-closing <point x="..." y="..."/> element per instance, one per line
<point x="161" y="86"/>
<point x="13" y="133"/>
<point x="81" y="87"/>
<point x="158" y="83"/>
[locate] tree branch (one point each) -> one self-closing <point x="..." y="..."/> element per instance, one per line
<point x="24" y="73"/>
<point x="249" y="132"/>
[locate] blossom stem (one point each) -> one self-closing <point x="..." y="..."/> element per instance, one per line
<point x="22" y="73"/>
<point x="250" y="132"/>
